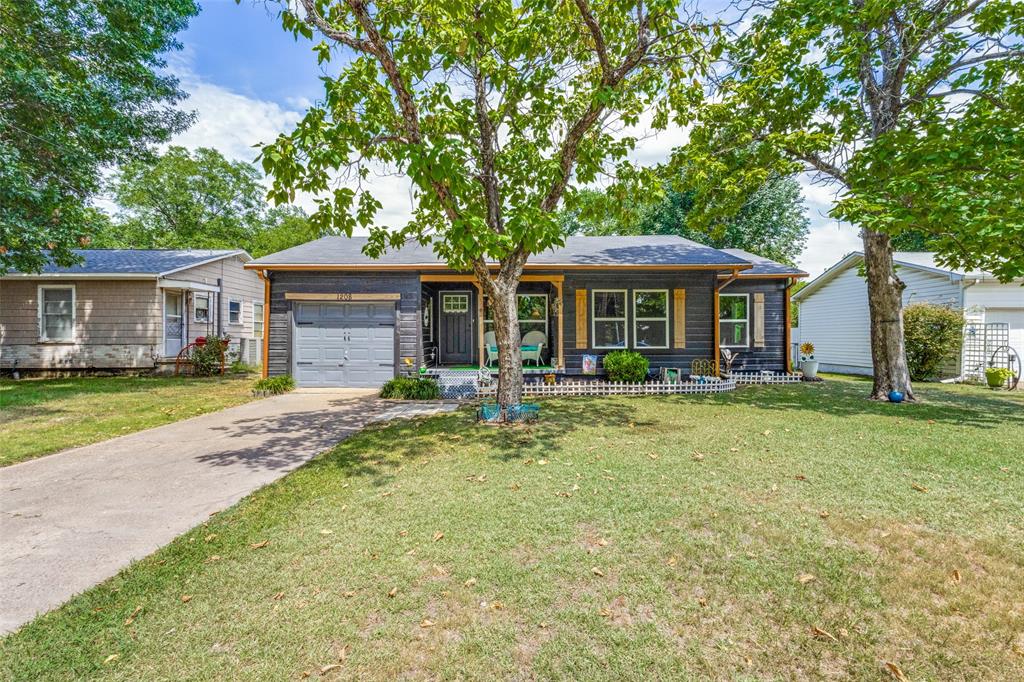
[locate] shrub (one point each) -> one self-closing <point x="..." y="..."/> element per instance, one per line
<point x="933" y="335"/>
<point x="206" y="359"/>
<point x="274" y="385"/>
<point x="626" y="365"/>
<point x="411" y="388"/>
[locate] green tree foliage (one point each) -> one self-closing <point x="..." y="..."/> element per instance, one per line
<point x="934" y="337"/>
<point x="496" y="110"/>
<point x="913" y="109"/>
<point x="199" y="200"/>
<point x="81" y="88"/>
<point x="772" y="222"/>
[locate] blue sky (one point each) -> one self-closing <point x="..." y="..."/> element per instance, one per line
<point x="248" y="81"/>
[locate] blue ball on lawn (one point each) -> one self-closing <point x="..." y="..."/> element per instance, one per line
<point x="895" y="397"/>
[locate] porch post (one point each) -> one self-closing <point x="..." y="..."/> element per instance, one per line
<point x="561" y="325"/>
<point x="481" y="357"/>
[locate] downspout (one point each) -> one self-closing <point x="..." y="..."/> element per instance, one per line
<point x="788" y="350"/>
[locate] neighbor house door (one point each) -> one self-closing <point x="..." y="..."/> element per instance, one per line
<point x="174" y="327"/>
<point x="456" y="328"/>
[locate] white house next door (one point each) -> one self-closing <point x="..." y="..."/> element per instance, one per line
<point x="174" y="328"/>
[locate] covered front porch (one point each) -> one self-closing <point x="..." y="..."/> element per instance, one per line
<point x="457" y="327"/>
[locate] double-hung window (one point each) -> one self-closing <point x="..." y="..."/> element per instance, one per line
<point x="257" y="319"/>
<point x="650" y="318"/>
<point x="608" y="312"/>
<point x="733" y="320"/>
<point x="201" y="308"/>
<point x="234" y="312"/>
<point x="56" y="313"/>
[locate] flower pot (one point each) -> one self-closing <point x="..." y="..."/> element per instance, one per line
<point x="810" y="368"/>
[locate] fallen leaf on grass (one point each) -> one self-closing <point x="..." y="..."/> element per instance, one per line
<point x="426" y="623"/>
<point x="515" y="486"/>
<point x="278" y="597"/>
<point x="703" y="602"/>
<point x="186" y="598"/>
<point x="349" y="594"/>
<point x="602" y="542"/>
<point x="326" y="531"/>
<point x="393" y="592"/>
<point x="805" y="578"/>
<point x="597" y="571"/>
<point x="259" y="545"/>
<point x="894" y="671"/>
<point x="955" y="576"/>
<point x="697" y="457"/>
<point x="211" y="559"/>
<point x="329" y="668"/>
<point x="653" y="456"/>
<point x="823" y="514"/>
<point x="111" y="658"/>
<point x="800" y="477"/>
<point x="919" y="488"/>
<point x="470" y="582"/>
<point x="211" y="537"/>
<point x="131" y="619"/>
<point x="823" y="634"/>
<point x="438" y="535"/>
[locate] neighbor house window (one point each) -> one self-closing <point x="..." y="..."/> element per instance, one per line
<point x="532" y="313"/>
<point x="608" y="309"/>
<point x="201" y="307"/>
<point x="234" y="312"/>
<point x="56" y="313"/>
<point x="257" y="320"/>
<point x="650" y="318"/>
<point x="733" y="324"/>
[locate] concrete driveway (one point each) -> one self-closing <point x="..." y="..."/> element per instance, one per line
<point x="71" y="520"/>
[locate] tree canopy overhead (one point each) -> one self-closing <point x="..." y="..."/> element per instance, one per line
<point x="772" y="222"/>
<point x="82" y="87"/>
<point x="913" y="109"/>
<point x="495" y="109"/>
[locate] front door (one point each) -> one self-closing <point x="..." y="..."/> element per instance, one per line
<point x="456" y="342"/>
<point x="174" y="327"/>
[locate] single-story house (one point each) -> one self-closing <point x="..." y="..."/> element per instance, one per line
<point x="128" y="309"/>
<point x="337" y="317"/>
<point x="834" y="311"/>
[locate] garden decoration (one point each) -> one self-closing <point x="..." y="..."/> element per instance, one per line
<point x="702" y="367"/>
<point x="997" y="377"/>
<point x="728" y="358"/>
<point x="808" y="364"/>
<point x="895" y="397"/>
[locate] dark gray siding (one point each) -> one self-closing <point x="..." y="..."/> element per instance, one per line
<point x="699" y="313"/>
<point x="281" y="282"/>
<point x="773" y="355"/>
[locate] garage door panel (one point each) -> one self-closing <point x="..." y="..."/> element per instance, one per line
<point x="344" y="344"/>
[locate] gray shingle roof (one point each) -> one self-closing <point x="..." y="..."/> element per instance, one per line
<point x="764" y="266"/>
<point x="665" y="250"/>
<point x="137" y="261"/>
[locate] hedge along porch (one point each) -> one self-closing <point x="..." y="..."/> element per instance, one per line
<point x="337" y="317"/>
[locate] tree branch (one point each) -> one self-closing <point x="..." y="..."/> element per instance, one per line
<point x="314" y="19"/>
<point x="599" y="43"/>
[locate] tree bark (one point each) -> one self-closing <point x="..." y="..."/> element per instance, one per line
<point x="504" y="305"/>
<point x="885" y="302"/>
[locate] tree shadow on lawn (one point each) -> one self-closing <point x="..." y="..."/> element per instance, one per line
<point x="381" y="449"/>
<point x="850" y="399"/>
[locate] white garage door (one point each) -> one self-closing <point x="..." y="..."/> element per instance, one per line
<point x="343" y="344"/>
<point x="1015" y="318"/>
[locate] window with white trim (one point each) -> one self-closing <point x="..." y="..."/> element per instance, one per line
<point x="56" y="313"/>
<point x="201" y="308"/>
<point x="455" y="303"/>
<point x="257" y="319"/>
<point x="532" y="313"/>
<point x="650" y="318"/>
<point x="608" y="318"/>
<point x="733" y="320"/>
<point x="234" y="312"/>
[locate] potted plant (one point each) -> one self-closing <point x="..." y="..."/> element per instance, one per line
<point x="997" y="376"/>
<point x="807" y="362"/>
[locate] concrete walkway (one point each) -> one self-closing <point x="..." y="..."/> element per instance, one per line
<point x="71" y="520"/>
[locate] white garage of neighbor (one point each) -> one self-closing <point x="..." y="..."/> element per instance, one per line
<point x="834" y="307"/>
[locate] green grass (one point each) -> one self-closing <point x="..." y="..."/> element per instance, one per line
<point x="699" y="514"/>
<point x="38" y="417"/>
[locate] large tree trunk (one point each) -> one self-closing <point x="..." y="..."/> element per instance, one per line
<point x="501" y="290"/>
<point x="885" y="301"/>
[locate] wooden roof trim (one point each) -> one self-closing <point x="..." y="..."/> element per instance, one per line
<point x="361" y="267"/>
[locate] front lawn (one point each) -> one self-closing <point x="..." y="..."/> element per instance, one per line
<point x="795" y="532"/>
<point x="38" y="417"/>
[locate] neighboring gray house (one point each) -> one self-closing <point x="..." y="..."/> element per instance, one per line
<point x="834" y="312"/>
<point x="128" y="309"/>
<point x="341" y="318"/>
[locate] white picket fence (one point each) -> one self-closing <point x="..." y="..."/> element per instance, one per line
<point x="598" y="388"/>
<point x="744" y="378"/>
